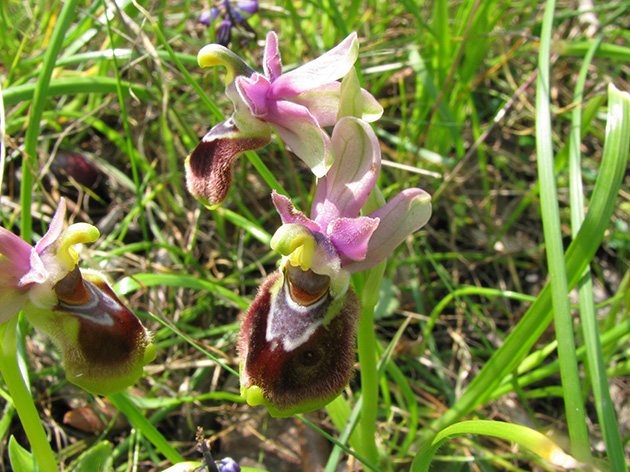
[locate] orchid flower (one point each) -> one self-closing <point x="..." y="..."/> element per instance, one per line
<point x="297" y="338"/>
<point x="297" y="104"/>
<point x="103" y="345"/>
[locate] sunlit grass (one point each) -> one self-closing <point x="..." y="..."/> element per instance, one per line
<point x="463" y="331"/>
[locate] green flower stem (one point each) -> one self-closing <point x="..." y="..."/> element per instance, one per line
<point x="368" y="292"/>
<point x="22" y="400"/>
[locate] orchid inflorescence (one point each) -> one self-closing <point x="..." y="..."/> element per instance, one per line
<point x="297" y="338"/>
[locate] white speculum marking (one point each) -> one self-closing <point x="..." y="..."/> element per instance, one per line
<point x="96" y="309"/>
<point x="290" y="322"/>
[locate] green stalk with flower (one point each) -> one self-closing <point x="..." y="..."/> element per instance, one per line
<point x="103" y="345"/>
<point x="297" y="338"/>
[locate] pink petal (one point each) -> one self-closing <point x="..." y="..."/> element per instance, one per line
<point x="301" y="132"/>
<point x="16" y="251"/>
<point x="290" y="214"/>
<point x="350" y="236"/>
<point x="254" y="91"/>
<point x="272" y="66"/>
<point x="328" y="67"/>
<point x="405" y="213"/>
<point x="323" y="103"/>
<point x="16" y="256"/>
<point x="55" y="229"/>
<point x="353" y="175"/>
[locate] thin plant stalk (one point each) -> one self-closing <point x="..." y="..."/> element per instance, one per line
<point x="22" y="399"/>
<point x="368" y="293"/>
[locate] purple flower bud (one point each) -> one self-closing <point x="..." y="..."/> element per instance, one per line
<point x="224" y="32"/>
<point x="250" y="7"/>
<point x="207" y="16"/>
<point x="228" y="465"/>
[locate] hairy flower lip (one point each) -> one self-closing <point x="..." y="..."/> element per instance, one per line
<point x="307" y="376"/>
<point x="210" y="165"/>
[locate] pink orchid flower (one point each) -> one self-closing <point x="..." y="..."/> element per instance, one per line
<point x="103" y="344"/>
<point x="297" y="338"/>
<point x="337" y="241"/>
<point x="297" y="104"/>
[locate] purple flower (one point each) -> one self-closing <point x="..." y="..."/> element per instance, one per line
<point x="297" y="338"/>
<point x="103" y="345"/>
<point x="228" y="465"/>
<point x="297" y="105"/>
<point x="231" y="15"/>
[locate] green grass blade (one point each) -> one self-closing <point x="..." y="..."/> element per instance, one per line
<point x="578" y="256"/>
<point x="30" y="164"/>
<point x="574" y="406"/>
<point x="521" y="435"/>
<point x="134" y="159"/>
<point x="122" y="402"/>
<point x="590" y="328"/>
<point x="137" y="281"/>
<point x="74" y="85"/>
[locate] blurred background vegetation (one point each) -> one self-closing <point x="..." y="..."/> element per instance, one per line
<point x="457" y="82"/>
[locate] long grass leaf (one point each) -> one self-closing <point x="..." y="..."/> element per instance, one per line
<point x="522" y="435"/>
<point x="590" y="328"/>
<point x="579" y="254"/>
<point x="131" y="284"/>
<point x="74" y="85"/>
<point x="40" y="93"/>
<point x="574" y="406"/>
